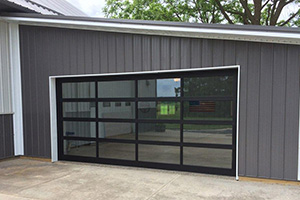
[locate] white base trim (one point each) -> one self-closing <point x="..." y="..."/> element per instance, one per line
<point x="53" y="114"/>
<point x="16" y="82"/>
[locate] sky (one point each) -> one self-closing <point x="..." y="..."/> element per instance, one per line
<point x="94" y="8"/>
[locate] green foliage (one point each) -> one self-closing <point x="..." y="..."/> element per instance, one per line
<point x="256" y="12"/>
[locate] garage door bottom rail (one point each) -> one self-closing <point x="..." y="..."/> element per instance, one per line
<point x="151" y="165"/>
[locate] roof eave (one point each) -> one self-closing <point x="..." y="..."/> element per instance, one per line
<point x="214" y="32"/>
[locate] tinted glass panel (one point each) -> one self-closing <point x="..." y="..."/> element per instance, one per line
<point x="78" y="90"/>
<point x="79" y="109"/>
<point x="206" y="157"/>
<point x="79" y="129"/>
<point x="216" y="134"/>
<point x="116" y="130"/>
<point x="159" y="132"/>
<point x="159" y="87"/>
<point x="208" y="110"/>
<point x="117" y="110"/>
<point x="160" y="154"/>
<point x="115" y="89"/>
<point x="208" y="86"/>
<point x="80" y="148"/>
<point x="159" y="110"/>
<point x="117" y="151"/>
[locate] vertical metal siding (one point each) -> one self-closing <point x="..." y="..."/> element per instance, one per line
<point x="5" y="84"/>
<point x="6" y="136"/>
<point x="269" y="96"/>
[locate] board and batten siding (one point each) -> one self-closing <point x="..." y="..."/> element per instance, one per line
<point x="6" y="136"/>
<point x="269" y="90"/>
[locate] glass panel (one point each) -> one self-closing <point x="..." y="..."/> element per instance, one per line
<point x="79" y="109"/>
<point x="159" y="110"/>
<point x="159" y="132"/>
<point x="116" y="89"/>
<point x="79" y="129"/>
<point x="78" y="90"/>
<point x="207" y="110"/>
<point x="214" y="134"/>
<point x="117" y="110"/>
<point x="80" y="148"/>
<point x="116" y="130"/>
<point x="117" y="151"/>
<point x="206" y="157"/>
<point x="160" y="154"/>
<point x="208" y="86"/>
<point x="159" y="87"/>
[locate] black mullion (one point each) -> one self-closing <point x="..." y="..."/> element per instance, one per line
<point x="126" y="141"/>
<point x="136" y="122"/>
<point x="78" y="100"/>
<point x="97" y="123"/>
<point x="79" y="138"/>
<point x="181" y="120"/>
<point x="176" y="99"/>
<point x="208" y="122"/>
<point x="115" y="99"/>
<point x="78" y="119"/>
<point x="208" y="145"/>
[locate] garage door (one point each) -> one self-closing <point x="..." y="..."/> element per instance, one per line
<point x="180" y="121"/>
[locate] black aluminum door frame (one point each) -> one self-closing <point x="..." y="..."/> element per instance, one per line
<point x="136" y="99"/>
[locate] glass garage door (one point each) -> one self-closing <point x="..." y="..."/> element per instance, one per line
<point x="180" y="121"/>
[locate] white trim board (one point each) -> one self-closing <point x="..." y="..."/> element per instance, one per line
<point x="164" y="30"/>
<point x="53" y="114"/>
<point x="15" y="64"/>
<point x="53" y="119"/>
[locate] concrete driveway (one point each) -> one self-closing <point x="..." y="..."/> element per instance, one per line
<point x="30" y="179"/>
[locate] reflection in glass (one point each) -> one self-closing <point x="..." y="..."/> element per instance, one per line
<point x="121" y="110"/>
<point x="159" y="132"/>
<point x="116" y="89"/>
<point x="121" y="151"/>
<point x="159" y="87"/>
<point x="208" y="86"/>
<point x="117" y="130"/>
<point x="159" y="154"/>
<point x="159" y="110"/>
<point x="79" y="109"/>
<point x="206" y="157"/>
<point x="214" y="134"/>
<point x="207" y="110"/>
<point x="78" y="90"/>
<point x="79" y="129"/>
<point x="80" y="148"/>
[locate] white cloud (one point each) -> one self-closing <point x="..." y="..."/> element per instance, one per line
<point x="92" y="8"/>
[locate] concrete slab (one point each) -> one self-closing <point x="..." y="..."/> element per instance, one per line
<point x="31" y="179"/>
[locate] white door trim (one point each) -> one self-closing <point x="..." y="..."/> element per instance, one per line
<point x="53" y="114"/>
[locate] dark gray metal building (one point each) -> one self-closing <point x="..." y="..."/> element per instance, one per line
<point x="207" y="98"/>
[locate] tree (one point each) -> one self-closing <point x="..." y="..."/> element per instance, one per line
<point x="256" y="12"/>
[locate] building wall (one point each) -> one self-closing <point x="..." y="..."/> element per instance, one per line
<point x="6" y="136"/>
<point x="269" y="94"/>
